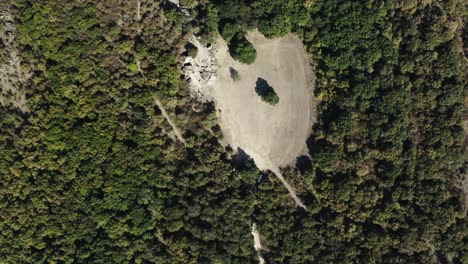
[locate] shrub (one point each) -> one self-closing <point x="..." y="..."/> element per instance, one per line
<point x="266" y="92"/>
<point x="242" y="50"/>
<point x="271" y="98"/>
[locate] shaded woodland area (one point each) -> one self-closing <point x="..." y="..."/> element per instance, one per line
<point x="92" y="173"/>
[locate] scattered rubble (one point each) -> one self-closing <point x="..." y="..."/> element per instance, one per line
<point x="201" y="71"/>
<point x="12" y="76"/>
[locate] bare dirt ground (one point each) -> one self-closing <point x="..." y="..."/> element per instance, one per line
<point x="175" y="2"/>
<point x="274" y="136"/>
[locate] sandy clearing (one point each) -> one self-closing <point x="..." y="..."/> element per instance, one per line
<point x="274" y="136"/>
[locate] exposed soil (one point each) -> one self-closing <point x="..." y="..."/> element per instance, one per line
<point x="257" y="243"/>
<point x="274" y="136"/>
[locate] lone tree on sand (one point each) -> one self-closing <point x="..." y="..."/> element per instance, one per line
<point x="266" y="92"/>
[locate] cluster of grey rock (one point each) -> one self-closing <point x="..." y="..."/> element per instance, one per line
<point x="201" y="70"/>
<point x="12" y="76"/>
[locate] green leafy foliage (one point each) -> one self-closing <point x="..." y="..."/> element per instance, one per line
<point x="208" y="19"/>
<point x="192" y="51"/>
<point x="266" y="92"/>
<point x="236" y="17"/>
<point x="271" y="98"/>
<point x="242" y="50"/>
<point x="386" y="148"/>
<point x="274" y="18"/>
<point x="91" y="174"/>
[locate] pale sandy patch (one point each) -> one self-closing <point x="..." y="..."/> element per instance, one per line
<point x="274" y="136"/>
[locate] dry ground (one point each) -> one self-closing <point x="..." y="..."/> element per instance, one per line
<point x="274" y="136"/>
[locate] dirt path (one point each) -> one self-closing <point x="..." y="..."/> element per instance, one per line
<point x="168" y="119"/>
<point x="257" y="243"/>
<point x="175" y="2"/>
<point x="164" y="113"/>
<point x="274" y="136"/>
<point x="290" y="189"/>
<point x="138" y="16"/>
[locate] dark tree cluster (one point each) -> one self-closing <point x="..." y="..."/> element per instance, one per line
<point x="92" y="174"/>
<point x="388" y="143"/>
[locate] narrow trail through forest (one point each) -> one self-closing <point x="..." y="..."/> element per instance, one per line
<point x="249" y="124"/>
<point x="290" y="189"/>
<point x="272" y="136"/>
<point x="164" y="113"/>
<point x="168" y="119"/>
<point x="257" y="243"/>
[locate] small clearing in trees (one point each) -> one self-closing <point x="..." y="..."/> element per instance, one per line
<point x="274" y="136"/>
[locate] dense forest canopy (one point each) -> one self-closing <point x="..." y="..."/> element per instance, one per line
<point x="93" y="172"/>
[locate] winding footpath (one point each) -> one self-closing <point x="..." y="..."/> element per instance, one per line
<point x="257" y="244"/>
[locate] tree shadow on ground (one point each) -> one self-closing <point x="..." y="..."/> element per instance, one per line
<point x="240" y="159"/>
<point x="234" y="74"/>
<point x="262" y="88"/>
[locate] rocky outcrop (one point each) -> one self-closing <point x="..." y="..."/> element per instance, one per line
<point x="12" y="75"/>
<point x="201" y="71"/>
